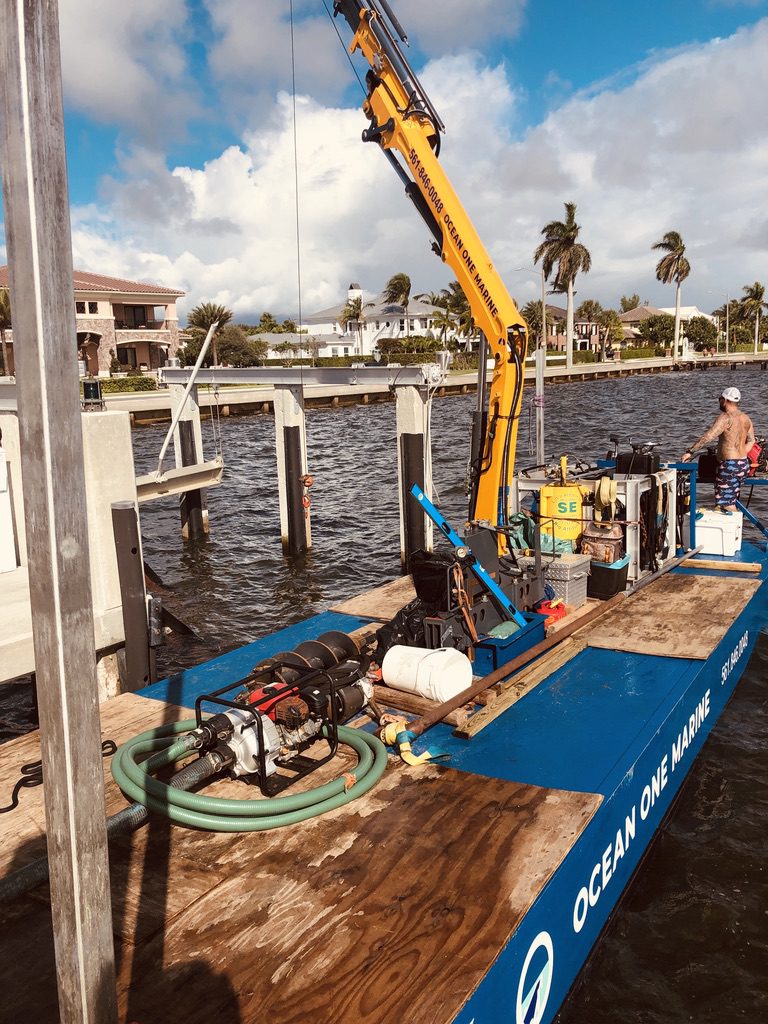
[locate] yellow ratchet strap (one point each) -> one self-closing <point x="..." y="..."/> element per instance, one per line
<point x="396" y="734"/>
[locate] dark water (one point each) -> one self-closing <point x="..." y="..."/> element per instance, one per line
<point x="689" y="940"/>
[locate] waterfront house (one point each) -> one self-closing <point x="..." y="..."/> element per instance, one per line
<point x="133" y="321"/>
<point x="381" y="321"/>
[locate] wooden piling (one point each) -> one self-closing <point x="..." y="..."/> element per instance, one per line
<point x="40" y="259"/>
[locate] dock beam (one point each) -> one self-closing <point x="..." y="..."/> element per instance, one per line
<point x="414" y="466"/>
<point x="40" y="258"/>
<point x="188" y="449"/>
<point x="293" y="480"/>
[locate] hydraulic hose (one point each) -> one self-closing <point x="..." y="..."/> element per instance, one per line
<point x="217" y="814"/>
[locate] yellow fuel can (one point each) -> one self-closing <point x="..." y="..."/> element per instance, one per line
<point x="561" y="507"/>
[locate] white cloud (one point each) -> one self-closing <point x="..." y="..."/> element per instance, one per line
<point x="125" y="63"/>
<point x="683" y="147"/>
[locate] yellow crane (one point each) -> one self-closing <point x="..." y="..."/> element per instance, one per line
<point x="406" y="126"/>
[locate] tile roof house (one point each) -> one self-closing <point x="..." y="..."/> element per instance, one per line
<point x="134" y="321"/>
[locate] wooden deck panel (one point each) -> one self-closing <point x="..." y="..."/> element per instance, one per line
<point x="678" y="616"/>
<point x="355" y="916"/>
<point x="381" y="603"/>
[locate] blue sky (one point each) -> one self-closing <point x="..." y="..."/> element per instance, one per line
<point x="649" y="116"/>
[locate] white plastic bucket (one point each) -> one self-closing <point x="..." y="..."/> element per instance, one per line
<point x="437" y="675"/>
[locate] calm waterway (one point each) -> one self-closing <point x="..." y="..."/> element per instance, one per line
<point x="688" y="942"/>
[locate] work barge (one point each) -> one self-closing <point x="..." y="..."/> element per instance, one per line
<point x="450" y="889"/>
<point x="460" y="883"/>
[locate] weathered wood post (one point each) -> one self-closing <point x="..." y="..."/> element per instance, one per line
<point x="188" y="449"/>
<point x="414" y="466"/>
<point x="293" y="481"/>
<point x="40" y="257"/>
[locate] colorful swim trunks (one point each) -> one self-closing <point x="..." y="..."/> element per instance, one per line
<point x="730" y="473"/>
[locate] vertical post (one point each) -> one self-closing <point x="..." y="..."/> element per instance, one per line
<point x="541" y="362"/>
<point x="538" y="402"/>
<point x="130" y="569"/>
<point x="292" y="472"/>
<point x="414" y="466"/>
<point x="40" y="257"/>
<point x="727" y="324"/>
<point x="188" y="450"/>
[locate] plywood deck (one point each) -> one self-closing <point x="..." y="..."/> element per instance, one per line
<point x="381" y="603"/>
<point x="389" y="910"/>
<point x="678" y="616"/>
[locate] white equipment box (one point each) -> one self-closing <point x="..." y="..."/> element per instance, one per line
<point x="719" y="534"/>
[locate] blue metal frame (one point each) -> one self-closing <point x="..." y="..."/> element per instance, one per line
<point x="472" y="563"/>
<point x="751" y="516"/>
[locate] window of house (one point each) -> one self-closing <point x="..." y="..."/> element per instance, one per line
<point x="80" y="307"/>
<point x="346" y="350"/>
<point x="377" y="325"/>
<point x="334" y="351"/>
<point x="126" y="354"/>
<point x="136" y="316"/>
<point x="402" y="325"/>
<point x="93" y="307"/>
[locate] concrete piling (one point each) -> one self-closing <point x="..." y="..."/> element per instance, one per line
<point x="130" y="567"/>
<point x="293" y="478"/>
<point x="414" y="466"/>
<point x="188" y="451"/>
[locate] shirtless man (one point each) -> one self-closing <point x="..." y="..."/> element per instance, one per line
<point x="735" y="435"/>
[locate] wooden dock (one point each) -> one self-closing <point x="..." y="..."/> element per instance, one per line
<point x="148" y="407"/>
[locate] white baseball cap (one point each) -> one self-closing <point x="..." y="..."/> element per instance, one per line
<point x="731" y="395"/>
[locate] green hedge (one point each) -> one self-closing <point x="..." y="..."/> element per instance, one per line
<point x="118" y="385"/>
<point x="638" y="353"/>
<point x="585" y="357"/>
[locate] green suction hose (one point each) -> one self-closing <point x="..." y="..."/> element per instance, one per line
<point x="219" y="815"/>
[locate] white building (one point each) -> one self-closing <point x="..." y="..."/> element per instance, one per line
<point x="688" y="313"/>
<point x="380" y="321"/>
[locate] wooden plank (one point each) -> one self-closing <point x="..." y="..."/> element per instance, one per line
<point x="521" y="684"/>
<point x="24" y="829"/>
<point x="381" y="603"/>
<point x="678" y="616"/>
<point x="300" y="924"/>
<point x="704" y="563"/>
<point x="388" y="697"/>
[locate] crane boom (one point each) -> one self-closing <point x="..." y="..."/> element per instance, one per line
<point x="405" y="124"/>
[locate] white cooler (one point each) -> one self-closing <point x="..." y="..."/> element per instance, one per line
<point x="719" y="534"/>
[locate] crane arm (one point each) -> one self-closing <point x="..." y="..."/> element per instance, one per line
<point x="404" y="123"/>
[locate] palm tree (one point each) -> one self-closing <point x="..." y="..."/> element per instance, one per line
<point x="459" y="308"/>
<point x="207" y="313"/>
<point x="398" y="291"/>
<point x="5" y="323"/>
<point x="353" y="313"/>
<point x="532" y="316"/>
<point x="589" y="310"/>
<point x="673" y="267"/>
<point x="752" y="305"/>
<point x="443" y="319"/>
<point x="628" y="302"/>
<point x="560" y="246"/>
